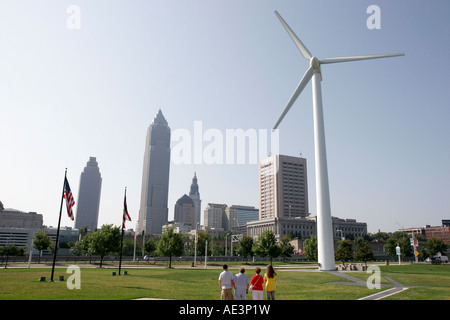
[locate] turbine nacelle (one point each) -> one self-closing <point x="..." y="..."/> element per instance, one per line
<point x="315" y="64"/>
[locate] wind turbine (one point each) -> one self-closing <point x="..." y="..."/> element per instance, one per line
<point x="324" y="222"/>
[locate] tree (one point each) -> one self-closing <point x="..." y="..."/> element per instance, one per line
<point x="170" y="244"/>
<point x="287" y="249"/>
<point x="104" y="241"/>
<point x="245" y="247"/>
<point x="310" y="247"/>
<point x="403" y="243"/>
<point x="344" y="251"/>
<point x="435" y="245"/>
<point x="149" y="246"/>
<point x="359" y="242"/>
<point x="423" y="254"/>
<point x="363" y="251"/>
<point x="41" y="242"/>
<point x="405" y="247"/>
<point x="10" y="250"/>
<point x="379" y="236"/>
<point x="398" y="235"/>
<point x="217" y="249"/>
<point x="390" y="246"/>
<point x="76" y="249"/>
<point x="85" y="245"/>
<point x="203" y="236"/>
<point x="128" y="247"/>
<point x="52" y="247"/>
<point x="266" y="246"/>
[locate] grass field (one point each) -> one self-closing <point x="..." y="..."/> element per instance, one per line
<point x="428" y="282"/>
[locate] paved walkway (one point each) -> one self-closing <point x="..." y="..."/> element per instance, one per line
<point x="397" y="287"/>
<point x="394" y="286"/>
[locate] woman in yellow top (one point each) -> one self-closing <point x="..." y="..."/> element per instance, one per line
<point x="270" y="278"/>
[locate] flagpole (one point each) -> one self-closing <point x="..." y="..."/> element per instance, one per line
<point x="59" y="224"/>
<point x="121" y="241"/>
<point x="134" y="250"/>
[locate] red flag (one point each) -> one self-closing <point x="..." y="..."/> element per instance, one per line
<point x="126" y="216"/>
<point x="70" y="202"/>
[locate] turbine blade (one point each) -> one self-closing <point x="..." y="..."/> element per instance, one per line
<point x="306" y="77"/>
<point x="294" y="37"/>
<point x="357" y="58"/>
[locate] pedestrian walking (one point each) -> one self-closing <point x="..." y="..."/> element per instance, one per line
<point x="241" y="284"/>
<point x="226" y="284"/>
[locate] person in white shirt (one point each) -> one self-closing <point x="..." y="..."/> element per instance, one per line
<point x="241" y="284"/>
<point x="226" y="284"/>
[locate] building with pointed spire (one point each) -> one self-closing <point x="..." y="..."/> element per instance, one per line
<point x="153" y="212"/>
<point x="194" y="194"/>
<point x="88" y="202"/>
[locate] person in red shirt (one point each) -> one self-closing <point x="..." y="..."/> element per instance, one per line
<point x="257" y="285"/>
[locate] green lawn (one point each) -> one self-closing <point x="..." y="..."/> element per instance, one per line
<point x="201" y="284"/>
<point x="433" y="281"/>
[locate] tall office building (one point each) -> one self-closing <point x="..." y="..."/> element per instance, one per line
<point x="194" y="194"/>
<point x="214" y="215"/>
<point x="184" y="212"/>
<point x="283" y="187"/>
<point x="153" y="212"/>
<point x="238" y="216"/>
<point x="88" y="202"/>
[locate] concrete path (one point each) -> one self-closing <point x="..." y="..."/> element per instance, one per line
<point x="397" y="287"/>
<point x="394" y="286"/>
<point x="384" y="294"/>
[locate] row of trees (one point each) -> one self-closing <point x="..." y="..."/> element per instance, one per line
<point x="359" y="248"/>
<point x="9" y="251"/>
<point x="266" y="246"/>
<point x="101" y="242"/>
<point x="433" y="246"/>
<point x="346" y="250"/>
<point x="173" y="244"/>
<point x="106" y="241"/>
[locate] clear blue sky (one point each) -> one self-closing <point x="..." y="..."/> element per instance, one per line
<point x="66" y="95"/>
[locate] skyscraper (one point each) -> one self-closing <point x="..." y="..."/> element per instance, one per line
<point x="88" y="203"/>
<point x="153" y="212"/>
<point x="214" y="215"/>
<point x="194" y="194"/>
<point x="283" y="187"/>
<point x="283" y="198"/>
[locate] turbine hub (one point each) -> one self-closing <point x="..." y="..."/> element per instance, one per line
<point x="315" y="63"/>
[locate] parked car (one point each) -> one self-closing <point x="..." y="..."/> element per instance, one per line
<point x="437" y="259"/>
<point x="149" y="258"/>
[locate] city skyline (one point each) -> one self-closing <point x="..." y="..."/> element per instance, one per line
<point x="231" y="66"/>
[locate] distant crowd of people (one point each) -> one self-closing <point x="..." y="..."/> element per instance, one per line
<point x="242" y="285"/>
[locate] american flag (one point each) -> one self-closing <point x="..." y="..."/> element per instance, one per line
<point x="126" y="216"/>
<point x="69" y="198"/>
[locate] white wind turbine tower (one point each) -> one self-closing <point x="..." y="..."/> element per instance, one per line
<point x="324" y="222"/>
